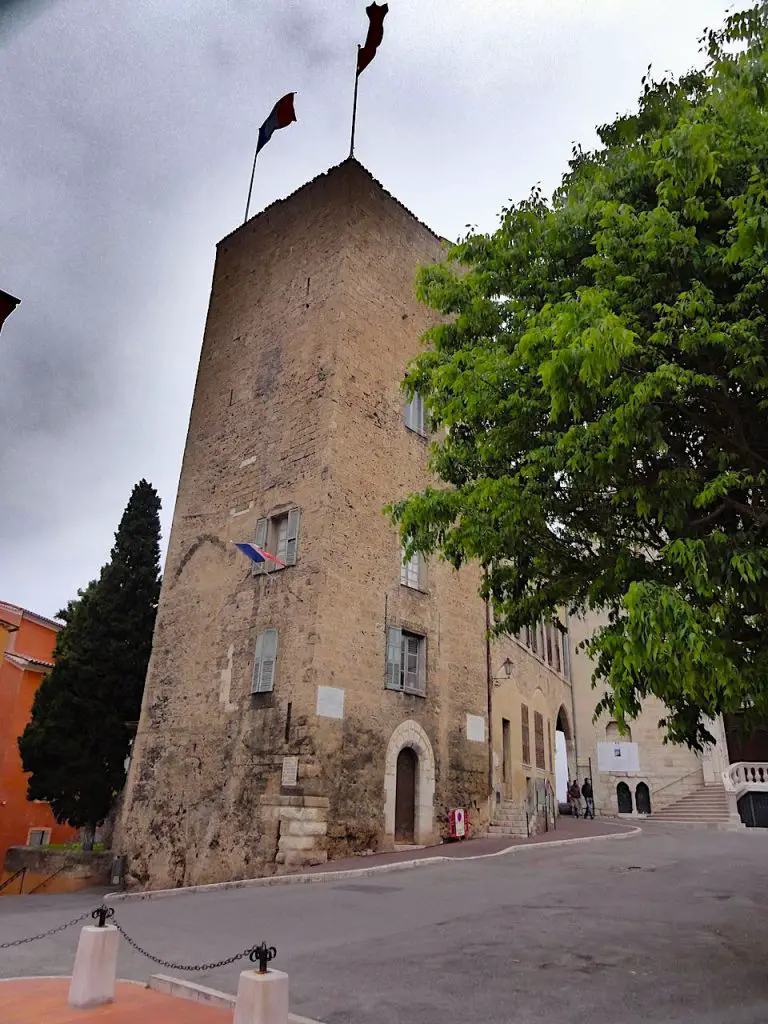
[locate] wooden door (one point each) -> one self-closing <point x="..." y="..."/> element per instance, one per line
<point x="505" y="749"/>
<point x="405" y="796"/>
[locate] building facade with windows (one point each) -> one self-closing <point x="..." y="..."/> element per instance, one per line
<point x="27" y="643"/>
<point x="336" y="701"/>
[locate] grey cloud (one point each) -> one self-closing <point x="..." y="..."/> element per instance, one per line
<point x="127" y="134"/>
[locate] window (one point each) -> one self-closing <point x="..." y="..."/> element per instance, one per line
<point x="39" y="837"/>
<point x="526" y="734"/>
<point x="538" y="729"/>
<point x="566" y="657"/>
<point x="279" y="535"/>
<point x="613" y="735"/>
<point x="413" y="415"/>
<point x="263" y="680"/>
<point x="406" y="662"/>
<point x="550" y="644"/>
<point x="412" y="571"/>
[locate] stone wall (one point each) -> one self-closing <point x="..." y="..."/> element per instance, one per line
<point x="54" y="871"/>
<point x="311" y="323"/>
<point x="670" y="771"/>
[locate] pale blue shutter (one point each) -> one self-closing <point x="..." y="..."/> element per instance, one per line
<point x="566" y="656"/>
<point x="394" y="654"/>
<point x="264" y="662"/>
<point x="423" y="665"/>
<point x="260" y="541"/>
<point x="292" y="544"/>
<point x="257" y="663"/>
<point x="268" y="661"/>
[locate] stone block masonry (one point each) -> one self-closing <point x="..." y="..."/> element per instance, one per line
<point x="312" y="321"/>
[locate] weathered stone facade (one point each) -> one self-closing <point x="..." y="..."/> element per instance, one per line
<point x="297" y="405"/>
<point x="670" y="771"/>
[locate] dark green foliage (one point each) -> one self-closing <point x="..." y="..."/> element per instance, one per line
<point x="603" y="378"/>
<point x="77" y="740"/>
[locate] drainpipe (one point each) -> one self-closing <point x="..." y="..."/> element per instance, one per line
<point x="573" y="698"/>
<point x="489" y="683"/>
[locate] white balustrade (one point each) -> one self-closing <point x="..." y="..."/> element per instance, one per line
<point x="744" y="776"/>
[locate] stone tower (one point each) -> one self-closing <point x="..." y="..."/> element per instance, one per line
<point x="339" y="703"/>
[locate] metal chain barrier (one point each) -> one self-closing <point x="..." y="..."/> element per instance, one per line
<point x="44" y="935"/>
<point x="263" y="953"/>
<point x="176" y="966"/>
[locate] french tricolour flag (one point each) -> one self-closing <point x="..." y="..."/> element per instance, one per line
<point x="258" y="554"/>
<point x="281" y="116"/>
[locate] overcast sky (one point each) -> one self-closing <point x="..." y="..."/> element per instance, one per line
<point x="127" y="135"/>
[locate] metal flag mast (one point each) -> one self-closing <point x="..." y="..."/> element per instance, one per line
<point x="354" y="103"/>
<point x="365" y="54"/>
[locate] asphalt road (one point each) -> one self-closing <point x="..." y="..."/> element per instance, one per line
<point x="665" y="928"/>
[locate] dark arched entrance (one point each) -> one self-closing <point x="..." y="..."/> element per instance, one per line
<point x="642" y="798"/>
<point x="624" y="798"/>
<point x="405" y="796"/>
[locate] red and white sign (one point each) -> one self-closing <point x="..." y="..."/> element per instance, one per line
<point x="458" y="823"/>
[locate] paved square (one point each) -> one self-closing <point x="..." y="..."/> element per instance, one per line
<point x="665" y="928"/>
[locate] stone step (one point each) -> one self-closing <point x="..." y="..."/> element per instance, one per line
<point x="505" y="830"/>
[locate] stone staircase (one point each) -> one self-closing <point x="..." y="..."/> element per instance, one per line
<point x="508" y="820"/>
<point x="707" y="805"/>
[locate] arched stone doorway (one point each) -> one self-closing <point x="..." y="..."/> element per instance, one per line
<point x="642" y="798"/>
<point x="624" y="798"/>
<point x="565" y="754"/>
<point x="405" y="796"/>
<point x="419" y="760"/>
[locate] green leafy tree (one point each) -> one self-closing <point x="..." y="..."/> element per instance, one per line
<point x="600" y="381"/>
<point x="78" y="737"/>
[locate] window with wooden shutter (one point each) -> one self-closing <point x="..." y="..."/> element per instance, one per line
<point x="394" y="643"/>
<point x="292" y="542"/>
<point x="538" y="728"/>
<point x="279" y="535"/>
<point x="413" y="415"/>
<point x="411" y="571"/>
<point x="264" y="661"/>
<point x="406" y="662"/>
<point x="566" y="657"/>
<point x="526" y="731"/>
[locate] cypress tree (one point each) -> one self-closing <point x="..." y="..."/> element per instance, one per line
<point x="78" y="737"/>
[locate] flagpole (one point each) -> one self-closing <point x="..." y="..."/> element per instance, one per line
<point x="354" y="107"/>
<point x="250" y="187"/>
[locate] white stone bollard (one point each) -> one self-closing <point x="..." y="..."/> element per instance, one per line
<point x="262" y="998"/>
<point x="95" y="971"/>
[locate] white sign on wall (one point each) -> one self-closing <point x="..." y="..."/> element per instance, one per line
<point x="476" y="728"/>
<point x="330" y="702"/>
<point x="290" y="773"/>
<point x="618" y="757"/>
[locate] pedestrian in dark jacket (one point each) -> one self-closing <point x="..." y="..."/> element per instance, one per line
<point x="589" y="799"/>
<point x="574" y="798"/>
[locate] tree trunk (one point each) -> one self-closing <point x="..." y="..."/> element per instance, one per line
<point x="88" y="834"/>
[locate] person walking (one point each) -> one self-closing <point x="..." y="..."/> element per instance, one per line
<point x="574" y="796"/>
<point x="589" y="800"/>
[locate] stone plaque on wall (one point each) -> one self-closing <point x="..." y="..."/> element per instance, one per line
<point x="290" y="771"/>
<point x="476" y="728"/>
<point x="330" y="702"/>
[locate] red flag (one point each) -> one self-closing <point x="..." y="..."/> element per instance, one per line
<point x="365" y="54"/>
<point x="7" y="305"/>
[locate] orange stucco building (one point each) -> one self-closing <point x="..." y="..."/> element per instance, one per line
<point x="27" y="641"/>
